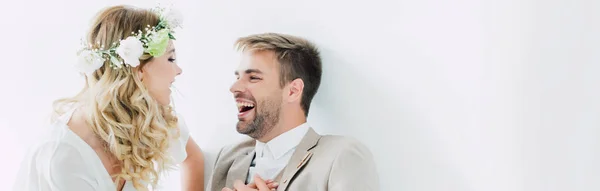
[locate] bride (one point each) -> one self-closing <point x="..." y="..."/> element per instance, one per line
<point x="119" y="132"/>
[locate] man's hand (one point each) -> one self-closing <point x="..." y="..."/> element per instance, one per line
<point x="258" y="185"/>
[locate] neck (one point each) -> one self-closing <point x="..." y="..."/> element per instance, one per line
<point x="285" y="124"/>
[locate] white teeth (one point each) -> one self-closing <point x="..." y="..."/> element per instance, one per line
<point x="242" y="104"/>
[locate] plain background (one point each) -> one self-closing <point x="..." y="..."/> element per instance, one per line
<point x="464" y="95"/>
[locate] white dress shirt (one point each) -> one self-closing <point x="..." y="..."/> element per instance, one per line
<point x="272" y="157"/>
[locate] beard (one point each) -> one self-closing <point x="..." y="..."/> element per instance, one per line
<point x="266" y="117"/>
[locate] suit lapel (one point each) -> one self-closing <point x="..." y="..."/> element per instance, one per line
<point x="239" y="169"/>
<point x="300" y="158"/>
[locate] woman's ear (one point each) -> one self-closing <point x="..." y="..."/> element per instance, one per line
<point x="140" y="73"/>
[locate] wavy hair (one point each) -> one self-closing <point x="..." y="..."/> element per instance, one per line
<point x="118" y="107"/>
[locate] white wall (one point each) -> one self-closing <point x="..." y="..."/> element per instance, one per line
<point x="465" y="95"/>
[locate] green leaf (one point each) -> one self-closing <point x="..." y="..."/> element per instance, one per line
<point x="158" y="44"/>
<point x="115" y="61"/>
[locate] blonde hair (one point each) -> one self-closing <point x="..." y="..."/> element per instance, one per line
<point x="298" y="59"/>
<point x="119" y="109"/>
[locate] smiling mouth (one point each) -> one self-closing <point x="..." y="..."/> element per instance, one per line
<point x="244" y="106"/>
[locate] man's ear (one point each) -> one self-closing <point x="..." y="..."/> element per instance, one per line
<point x="296" y="90"/>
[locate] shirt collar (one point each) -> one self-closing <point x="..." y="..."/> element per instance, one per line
<point x="283" y="143"/>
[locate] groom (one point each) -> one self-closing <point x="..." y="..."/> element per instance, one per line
<point x="276" y="80"/>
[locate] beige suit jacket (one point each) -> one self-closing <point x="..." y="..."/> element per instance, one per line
<point x="320" y="163"/>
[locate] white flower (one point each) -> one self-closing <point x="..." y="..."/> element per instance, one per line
<point x="174" y="18"/>
<point x="89" y="61"/>
<point x="130" y="51"/>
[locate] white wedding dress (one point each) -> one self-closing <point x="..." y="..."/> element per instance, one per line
<point x="62" y="161"/>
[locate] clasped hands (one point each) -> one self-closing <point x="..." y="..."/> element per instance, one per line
<point x="258" y="185"/>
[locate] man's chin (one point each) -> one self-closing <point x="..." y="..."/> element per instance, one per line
<point x="242" y="127"/>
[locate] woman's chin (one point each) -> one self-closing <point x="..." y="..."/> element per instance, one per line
<point x="164" y="102"/>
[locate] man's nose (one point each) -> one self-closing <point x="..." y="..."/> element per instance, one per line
<point x="237" y="86"/>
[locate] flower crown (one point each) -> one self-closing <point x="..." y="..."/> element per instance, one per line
<point x="127" y="52"/>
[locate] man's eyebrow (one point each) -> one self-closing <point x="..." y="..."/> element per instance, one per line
<point x="249" y="71"/>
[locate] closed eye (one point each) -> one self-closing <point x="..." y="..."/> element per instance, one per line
<point x="254" y="78"/>
<point x="171" y="59"/>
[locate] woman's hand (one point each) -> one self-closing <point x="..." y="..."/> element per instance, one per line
<point x="258" y="185"/>
<point x="270" y="184"/>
